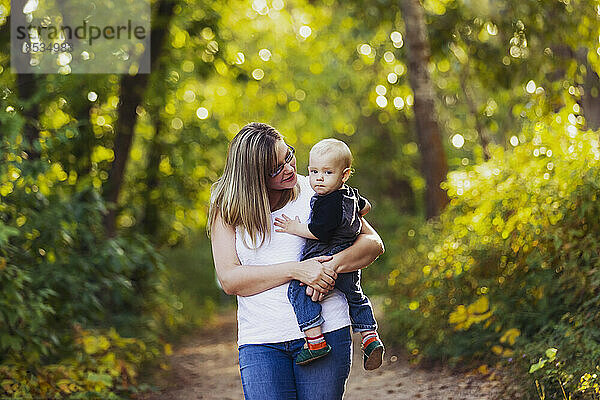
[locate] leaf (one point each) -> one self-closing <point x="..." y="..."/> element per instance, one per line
<point x="90" y="344"/>
<point x="458" y="316"/>
<point x="95" y="344"/>
<point x="536" y="366"/>
<point x="481" y="306"/>
<point x="551" y="353"/>
<point x="510" y="336"/>
<point x="104" y="379"/>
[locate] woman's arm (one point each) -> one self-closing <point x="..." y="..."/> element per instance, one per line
<point x="243" y="280"/>
<point x="365" y="249"/>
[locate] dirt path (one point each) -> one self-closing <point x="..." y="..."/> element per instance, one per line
<point x="207" y="369"/>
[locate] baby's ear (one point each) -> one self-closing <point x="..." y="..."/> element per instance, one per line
<point x="346" y="174"/>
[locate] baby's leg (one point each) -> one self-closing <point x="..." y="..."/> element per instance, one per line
<point x="363" y="319"/>
<point x="315" y="347"/>
<point x="312" y="332"/>
<point x="360" y="309"/>
<point x="308" y="312"/>
<point x="308" y="315"/>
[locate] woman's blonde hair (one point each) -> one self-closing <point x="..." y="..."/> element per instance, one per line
<point x="240" y="195"/>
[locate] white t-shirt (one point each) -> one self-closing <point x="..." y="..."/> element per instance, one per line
<point x="268" y="317"/>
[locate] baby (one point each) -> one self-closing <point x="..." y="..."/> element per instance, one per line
<point x="335" y="222"/>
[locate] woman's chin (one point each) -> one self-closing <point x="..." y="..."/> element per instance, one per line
<point x="287" y="183"/>
<point x="290" y="182"/>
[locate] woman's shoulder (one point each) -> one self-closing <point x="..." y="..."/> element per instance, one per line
<point x="301" y="202"/>
<point x="303" y="180"/>
<point x="304" y="183"/>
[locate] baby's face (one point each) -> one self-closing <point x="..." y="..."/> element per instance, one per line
<point x="325" y="173"/>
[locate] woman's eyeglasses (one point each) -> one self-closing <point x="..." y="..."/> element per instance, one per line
<point x="288" y="159"/>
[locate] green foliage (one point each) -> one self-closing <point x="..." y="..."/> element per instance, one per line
<point x="573" y="366"/>
<point x="60" y="261"/>
<point x="103" y="366"/>
<point x="511" y="267"/>
<point x="59" y="273"/>
<point x="61" y="276"/>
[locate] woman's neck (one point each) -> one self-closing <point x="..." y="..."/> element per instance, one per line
<point x="274" y="198"/>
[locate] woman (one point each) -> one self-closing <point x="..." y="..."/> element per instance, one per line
<point x="256" y="263"/>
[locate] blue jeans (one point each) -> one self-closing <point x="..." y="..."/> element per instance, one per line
<point x="308" y="312"/>
<point x="269" y="371"/>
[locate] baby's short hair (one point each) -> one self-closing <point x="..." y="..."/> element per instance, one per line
<point x="337" y="148"/>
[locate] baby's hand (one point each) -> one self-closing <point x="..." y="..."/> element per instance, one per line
<point x="287" y="224"/>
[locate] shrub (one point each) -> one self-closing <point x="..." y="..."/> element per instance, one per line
<point x="102" y="365"/>
<point x="64" y="285"/>
<point x="510" y="269"/>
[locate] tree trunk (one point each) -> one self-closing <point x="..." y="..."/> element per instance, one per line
<point x="433" y="158"/>
<point x="590" y="100"/>
<point x="27" y="87"/>
<point x="84" y="144"/>
<point x="133" y="89"/>
<point x="150" y="219"/>
<point x="132" y="93"/>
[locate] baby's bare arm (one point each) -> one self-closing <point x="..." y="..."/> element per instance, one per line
<point x="293" y="226"/>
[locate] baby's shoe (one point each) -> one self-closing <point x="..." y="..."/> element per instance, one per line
<point x="373" y="352"/>
<point x="307" y="355"/>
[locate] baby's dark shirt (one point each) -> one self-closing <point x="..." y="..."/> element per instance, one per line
<point x="334" y="220"/>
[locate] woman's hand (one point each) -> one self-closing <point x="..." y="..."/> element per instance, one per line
<point x="248" y="280"/>
<point x="315" y="274"/>
<point x="314" y="295"/>
<point x="366" y="248"/>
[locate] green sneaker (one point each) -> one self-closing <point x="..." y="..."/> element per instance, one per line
<point x="373" y="355"/>
<point x="307" y="356"/>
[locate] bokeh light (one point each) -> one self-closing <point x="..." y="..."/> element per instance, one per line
<point x="365" y="49"/>
<point x="399" y="103"/>
<point x="388" y="56"/>
<point x="264" y="54"/>
<point x="258" y="74"/>
<point x="305" y="31"/>
<point x="397" y="40"/>
<point x="458" y="140"/>
<point x="381" y="101"/>
<point x="202" y="113"/>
